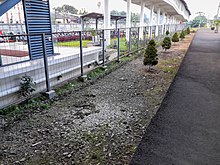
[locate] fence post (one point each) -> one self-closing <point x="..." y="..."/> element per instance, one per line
<point x="0" y="60"/>
<point x="50" y="93"/>
<point x="129" y="40"/>
<point x="81" y="52"/>
<point x="138" y="38"/>
<point x="103" y="47"/>
<point x="145" y="32"/>
<point x="118" y="46"/>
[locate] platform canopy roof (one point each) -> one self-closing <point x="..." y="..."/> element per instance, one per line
<point x="94" y="15"/>
<point x="177" y="8"/>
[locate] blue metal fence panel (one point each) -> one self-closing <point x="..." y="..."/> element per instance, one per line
<point x="37" y="16"/>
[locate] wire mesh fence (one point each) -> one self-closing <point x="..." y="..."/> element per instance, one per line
<point x="13" y="49"/>
<point x="75" y="53"/>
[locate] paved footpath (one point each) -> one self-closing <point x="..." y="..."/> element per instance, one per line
<point x="186" y="128"/>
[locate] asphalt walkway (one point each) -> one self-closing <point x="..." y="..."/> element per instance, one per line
<point x="186" y="128"/>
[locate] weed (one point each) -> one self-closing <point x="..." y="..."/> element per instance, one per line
<point x="10" y="109"/>
<point x="27" y="85"/>
<point x="95" y="73"/>
<point x="67" y="87"/>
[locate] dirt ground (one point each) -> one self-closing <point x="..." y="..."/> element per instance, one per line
<point x="100" y="124"/>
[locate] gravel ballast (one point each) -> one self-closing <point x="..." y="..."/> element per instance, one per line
<point x="99" y="124"/>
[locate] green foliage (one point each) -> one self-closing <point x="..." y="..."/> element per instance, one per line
<point x="93" y="33"/>
<point x="67" y="9"/>
<point x="123" y="44"/>
<point x="182" y="35"/>
<point x="150" y="57"/>
<point x="166" y="43"/>
<point x="118" y="13"/>
<point x="27" y="85"/>
<point x="95" y="73"/>
<point x="217" y="23"/>
<point x="175" y="38"/>
<point x="152" y="43"/>
<point x="135" y="17"/>
<point x="10" y="109"/>
<point x="29" y="105"/>
<point x="199" y="21"/>
<point x="74" y="43"/>
<point x="188" y="30"/>
<point x="167" y="32"/>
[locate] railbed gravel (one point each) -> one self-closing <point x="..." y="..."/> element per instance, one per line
<point x="100" y="124"/>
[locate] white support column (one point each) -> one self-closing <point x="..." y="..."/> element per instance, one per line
<point x="167" y="22"/>
<point x="171" y="23"/>
<point x="128" y="19"/>
<point x="174" y="24"/>
<point x="158" y="21"/>
<point x="142" y="19"/>
<point x="151" y="20"/>
<point x="163" y="23"/>
<point x="107" y="22"/>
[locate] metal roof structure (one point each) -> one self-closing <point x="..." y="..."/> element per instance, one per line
<point x="94" y="15"/>
<point x="177" y="8"/>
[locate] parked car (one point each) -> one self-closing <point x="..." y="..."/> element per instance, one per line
<point x="12" y="37"/>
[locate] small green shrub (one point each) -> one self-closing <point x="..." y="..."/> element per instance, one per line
<point x="167" y="32"/>
<point x="166" y="43"/>
<point x="182" y="35"/>
<point x="175" y="38"/>
<point x="188" y="30"/>
<point x="27" y="85"/>
<point x="150" y="56"/>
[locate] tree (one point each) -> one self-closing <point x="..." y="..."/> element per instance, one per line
<point x="67" y="9"/>
<point x="83" y="11"/>
<point x="166" y="43"/>
<point x="199" y="21"/>
<point x="175" y="38"/>
<point x="122" y="13"/>
<point x="150" y="56"/>
<point x="167" y="32"/>
<point x="188" y="30"/>
<point x="182" y="35"/>
<point x="114" y="12"/>
<point x="135" y="18"/>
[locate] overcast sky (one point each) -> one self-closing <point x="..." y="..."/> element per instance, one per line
<point x="209" y="7"/>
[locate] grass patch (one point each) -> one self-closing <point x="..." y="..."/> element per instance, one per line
<point x="31" y="104"/>
<point x="169" y="69"/>
<point x="65" y="88"/>
<point x="42" y="161"/>
<point x="123" y="44"/>
<point x="96" y="73"/>
<point x="74" y="43"/>
<point x="96" y="141"/>
<point x="170" y="65"/>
